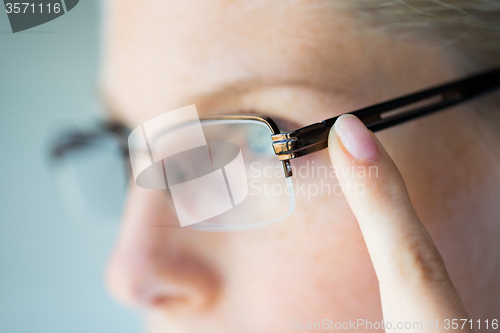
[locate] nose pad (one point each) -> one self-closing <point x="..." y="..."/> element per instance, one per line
<point x="153" y="266"/>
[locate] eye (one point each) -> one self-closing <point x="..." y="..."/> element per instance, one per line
<point x="259" y="140"/>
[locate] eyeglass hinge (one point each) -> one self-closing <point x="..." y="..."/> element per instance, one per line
<point x="301" y="142"/>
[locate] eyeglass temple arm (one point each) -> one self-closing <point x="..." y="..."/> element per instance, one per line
<point x="314" y="137"/>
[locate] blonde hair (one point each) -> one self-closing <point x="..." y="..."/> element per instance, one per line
<point x="470" y="29"/>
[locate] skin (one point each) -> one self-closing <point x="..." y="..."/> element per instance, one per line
<point x="302" y="63"/>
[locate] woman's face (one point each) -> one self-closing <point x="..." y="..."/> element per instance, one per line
<point x="301" y="62"/>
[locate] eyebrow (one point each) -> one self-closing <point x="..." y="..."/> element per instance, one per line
<point x="340" y="85"/>
<point x="245" y="85"/>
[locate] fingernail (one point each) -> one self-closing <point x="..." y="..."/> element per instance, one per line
<point x="356" y="138"/>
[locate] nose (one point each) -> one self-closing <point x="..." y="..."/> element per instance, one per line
<point x="157" y="266"/>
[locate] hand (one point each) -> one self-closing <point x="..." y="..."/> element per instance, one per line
<point x="413" y="280"/>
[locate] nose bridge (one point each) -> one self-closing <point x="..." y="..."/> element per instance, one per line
<point x="157" y="265"/>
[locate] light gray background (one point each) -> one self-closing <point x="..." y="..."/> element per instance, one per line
<point x="51" y="270"/>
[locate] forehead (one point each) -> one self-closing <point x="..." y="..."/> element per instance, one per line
<point x="161" y="55"/>
<point x="172" y="52"/>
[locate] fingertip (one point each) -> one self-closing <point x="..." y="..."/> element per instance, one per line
<point x="355" y="138"/>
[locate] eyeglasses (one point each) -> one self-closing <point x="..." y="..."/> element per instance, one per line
<point x="266" y="193"/>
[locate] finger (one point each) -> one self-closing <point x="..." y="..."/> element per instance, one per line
<point x="407" y="263"/>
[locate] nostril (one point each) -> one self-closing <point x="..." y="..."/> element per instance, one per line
<point x="177" y="294"/>
<point x="161" y="301"/>
<point x="167" y="301"/>
<point x="166" y="294"/>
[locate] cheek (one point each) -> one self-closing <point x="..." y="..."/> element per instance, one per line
<point x="434" y="163"/>
<point x="313" y="265"/>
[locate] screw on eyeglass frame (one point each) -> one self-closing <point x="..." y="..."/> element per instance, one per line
<point x="314" y="137"/>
